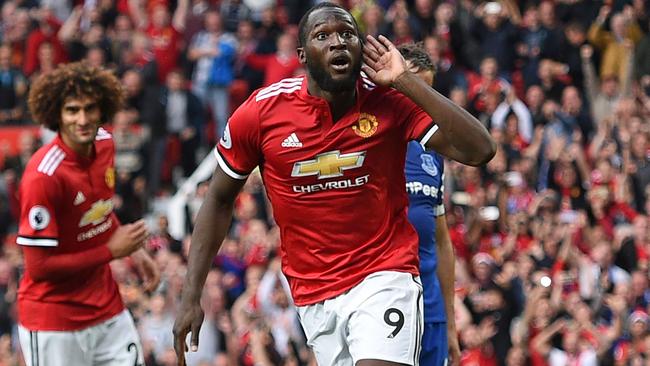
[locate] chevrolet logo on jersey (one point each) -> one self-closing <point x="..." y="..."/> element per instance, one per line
<point x="97" y="213"/>
<point x="328" y="165"/>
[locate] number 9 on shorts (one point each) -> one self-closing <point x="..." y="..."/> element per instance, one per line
<point x="380" y="318"/>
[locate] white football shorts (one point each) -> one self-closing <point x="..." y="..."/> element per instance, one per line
<point x="114" y="342"/>
<point x="380" y="318"/>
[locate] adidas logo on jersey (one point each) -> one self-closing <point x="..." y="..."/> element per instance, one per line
<point x="292" y="141"/>
<point x="79" y="199"/>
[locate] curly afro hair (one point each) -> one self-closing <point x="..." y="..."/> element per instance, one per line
<point x="73" y="80"/>
<point x="418" y="56"/>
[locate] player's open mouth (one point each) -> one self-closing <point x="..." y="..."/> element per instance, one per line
<point x="340" y="63"/>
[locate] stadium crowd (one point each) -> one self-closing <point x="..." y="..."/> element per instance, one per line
<point x="552" y="237"/>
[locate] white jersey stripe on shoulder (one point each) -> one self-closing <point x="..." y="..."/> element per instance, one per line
<point x="279" y="85"/>
<point x="428" y="135"/>
<point x="55" y="164"/>
<point x="47" y="158"/>
<point x="280" y="91"/>
<point x="54" y="159"/>
<point x="21" y="240"/>
<point x="226" y="169"/>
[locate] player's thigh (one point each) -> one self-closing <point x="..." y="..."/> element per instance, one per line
<point x="45" y="348"/>
<point x="325" y="333"/>
<point x="387" y="322"/>
<point x="434" y="345"/>
<point x="119" y="343"/>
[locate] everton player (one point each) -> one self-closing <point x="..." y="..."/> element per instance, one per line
<point x="424" y="184"/>
<point x="331" y="148"/>
<point x="69" y="308"/>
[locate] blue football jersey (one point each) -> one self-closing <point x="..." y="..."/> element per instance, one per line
<point x="424" y="185"/>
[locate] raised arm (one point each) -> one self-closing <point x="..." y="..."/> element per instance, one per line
<point x="212" y="223"/>
<point x="179" y="19"/>
<point x="461" y="136"/>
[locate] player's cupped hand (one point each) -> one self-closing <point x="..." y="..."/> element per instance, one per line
<point x="189" y="320"/>
<point x="383" y="63"/>
<point x="127" y="239"/>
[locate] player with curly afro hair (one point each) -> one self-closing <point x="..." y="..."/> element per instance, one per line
<point x="74" y="80"/>
<point x="68" y="230"/>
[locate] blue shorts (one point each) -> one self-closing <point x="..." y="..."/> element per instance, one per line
<point x="434" y="345"/>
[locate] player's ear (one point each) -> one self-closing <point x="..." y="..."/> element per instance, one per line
<point x="301" y="55"/>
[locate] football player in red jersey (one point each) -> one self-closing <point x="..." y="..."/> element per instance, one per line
<point x="331" y="148"/>
<point x="69" y="308"/>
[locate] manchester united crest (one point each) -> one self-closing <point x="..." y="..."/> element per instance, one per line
<point x="109" y="177"/>
<point x="367" y="125"/>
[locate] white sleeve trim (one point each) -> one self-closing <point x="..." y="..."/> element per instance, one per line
<point x="428" y="135"/>
<point x="226" y="168"/>
<point x="21" y="240"/>
<point x="439" y="210"/>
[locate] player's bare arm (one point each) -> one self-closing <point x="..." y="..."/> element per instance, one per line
<point x="462" y="138"/>
<point x="44" y="264"/>
<point x="446" y="274"/>
<point x="212" y="222"/>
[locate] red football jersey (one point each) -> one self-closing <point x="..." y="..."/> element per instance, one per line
<point x="337" y="189"/>
<point x="65" y="222"/>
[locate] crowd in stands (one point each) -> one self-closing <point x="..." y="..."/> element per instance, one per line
<point x="552" y="237"/>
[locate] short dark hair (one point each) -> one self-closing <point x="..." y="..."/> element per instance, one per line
<point x="302" y="25"/>
<point x="77" y="79"/>
<point x="418" y="56"/>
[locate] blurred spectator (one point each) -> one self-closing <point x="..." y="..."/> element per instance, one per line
<point x="45" y="33"/>
<point x="78" y="43"/>
<point x="274" y="296"/>
<point x="513" y="109"/>
<point x="13" y="87"/>
<point x="28" y="144"/>
<point x="603" y="94"/>
<point x="536" y="42"/>
<point x="421" y="19"/>
<point x="551" y="78"/>
<point x="214" y="54"/>
<point x="268" y="31"/>
<point x="184" y="118"/>
<point x="447" y="75"/>
<point x="486" y="84"/>
<point x="156" y="326"/>
<point x="370" y="18"/>
<point x="616" y="44"/>
<point x="137" y="55"/>
<point x="165" y="33"/>
<point x="248" y="43"/>
<point x="146" y="103"/>
<point x="128" y="143"/>
<point x="233" y="11"/>
<point x="639" y="168"/>
<point x="281" y="65"/>
<point x="194" y="19"/>
<point x="495" y="33"/>
<point x="574" y="38"/>
<point x="46" y="61"/>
